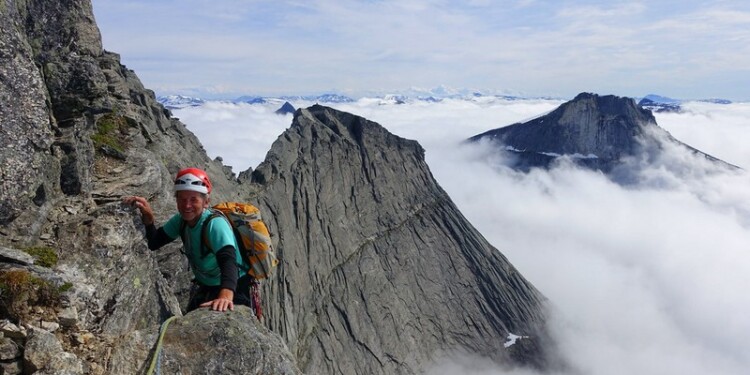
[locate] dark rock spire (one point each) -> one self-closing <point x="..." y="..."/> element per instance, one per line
<point x="285" y="109"/>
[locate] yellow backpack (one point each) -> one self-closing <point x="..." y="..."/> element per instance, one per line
<point x="252" y="235"/>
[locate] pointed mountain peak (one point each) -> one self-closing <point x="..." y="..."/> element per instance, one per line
<point x="364" y="226"/>
<point x="286" y="108"/>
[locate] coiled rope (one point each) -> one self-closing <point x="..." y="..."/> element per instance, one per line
<point x="156" y="360"/>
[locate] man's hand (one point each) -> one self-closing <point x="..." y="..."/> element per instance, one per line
<point x="223" y="302"/>
<point x="147" y="214"/>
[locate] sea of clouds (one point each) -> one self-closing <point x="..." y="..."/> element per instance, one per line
<point x="647" y="278"/>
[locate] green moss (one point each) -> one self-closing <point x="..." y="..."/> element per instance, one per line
<point x="50" y="70"/>
<point x="65" y="287"/>
<point x="109" y="129"/>
<point x="43" y="255"/>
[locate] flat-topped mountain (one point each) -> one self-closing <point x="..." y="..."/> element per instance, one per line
<point x="593" y="131"/>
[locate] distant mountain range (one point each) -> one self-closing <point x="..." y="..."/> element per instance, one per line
<point x="324" y="98"/>
<point x="652" y="102"/>
<point x="658" y="103"/>
<point x="401" y="97"/>
<point x="179" y="101"/>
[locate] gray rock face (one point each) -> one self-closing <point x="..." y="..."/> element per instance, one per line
<point x="594" y="131"/>
<point x="25" y="131"/>
<point x="13" y="256"/>
<point x="205" y="342"/>
<point x="380" y="271"/>
<point x="9" y="349"/>
<point x="78" y="131"/>
<point x="208" y="342"/>
<point x="44" y="354"/>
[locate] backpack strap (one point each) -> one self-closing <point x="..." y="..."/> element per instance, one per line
<point x="206" y="248"/>
<point x="245" y="265"/>
<point x="244" y="252"/>
<point x="183" y="235"/>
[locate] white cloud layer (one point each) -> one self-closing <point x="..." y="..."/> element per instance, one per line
<point x="643" y="279"/>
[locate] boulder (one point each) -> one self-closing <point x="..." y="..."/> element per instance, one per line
<point x="43" y="354"/>
<point x="9" y="349"/>
<point x="233" y="342"/>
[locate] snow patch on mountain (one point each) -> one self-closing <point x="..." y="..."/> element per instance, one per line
<point x="179" y="101"/>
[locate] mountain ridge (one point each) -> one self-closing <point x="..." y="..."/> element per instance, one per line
<point x="651" y="102"/>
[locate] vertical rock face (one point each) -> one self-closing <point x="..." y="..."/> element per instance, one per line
<point x="594" y="131"/>
<point x="380" y="271"/>
<point x="78" y="131"/>
<point x="28" y="166"/>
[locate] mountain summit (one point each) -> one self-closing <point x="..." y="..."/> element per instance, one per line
<point x="381" y="270"/>
<point x="594" y="131"/>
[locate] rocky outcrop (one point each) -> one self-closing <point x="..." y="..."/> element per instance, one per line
<point x="246" y="346"/>
<point x="79" y="132"/>
<point x="594" y="131"/>
<point x="380" y="272"/>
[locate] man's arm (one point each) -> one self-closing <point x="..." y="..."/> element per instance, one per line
<point x="228" y="265"/>
<point x="156" y="237"/>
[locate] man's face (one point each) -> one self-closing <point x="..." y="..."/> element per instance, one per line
<point x="190" y="204"/>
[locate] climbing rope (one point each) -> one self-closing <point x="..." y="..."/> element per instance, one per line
<point x="156" y="360"/>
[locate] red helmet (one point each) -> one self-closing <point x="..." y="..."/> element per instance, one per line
<point x="192" y="179"/>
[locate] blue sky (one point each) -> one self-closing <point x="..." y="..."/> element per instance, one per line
<point x="226" y="48"/>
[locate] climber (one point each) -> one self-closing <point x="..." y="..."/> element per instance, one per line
<point x="219" y="280"/>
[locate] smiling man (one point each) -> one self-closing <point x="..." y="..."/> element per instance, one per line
<point x="220" y="281"/>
